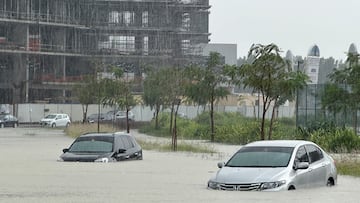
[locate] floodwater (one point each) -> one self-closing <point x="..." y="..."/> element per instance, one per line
<point x="30" y="172"/>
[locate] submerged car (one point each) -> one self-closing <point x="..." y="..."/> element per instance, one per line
<point x="275" y="165"/>
<point x="103" y="147"/>
<point x="7" y="120"/>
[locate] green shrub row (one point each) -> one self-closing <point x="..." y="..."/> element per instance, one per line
<point x="338" y="140"/>
<point x="233" y="128"/>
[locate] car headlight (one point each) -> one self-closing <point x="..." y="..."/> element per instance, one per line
<point x="103" y="160"/>
<point x="213" y="185"/>
<point x="272" y="185"/>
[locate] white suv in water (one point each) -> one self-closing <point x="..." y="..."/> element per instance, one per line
<point x="56" y="120"/>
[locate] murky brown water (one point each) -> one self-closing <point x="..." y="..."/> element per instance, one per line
<point x="29" y="172"/>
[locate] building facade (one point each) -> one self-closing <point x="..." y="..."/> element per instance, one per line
<point x="48" y="45"/>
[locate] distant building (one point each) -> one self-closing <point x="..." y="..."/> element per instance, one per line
<point x="353" y="49"/>
<point x="229" y="51"/>
<point x="312" y="64"/>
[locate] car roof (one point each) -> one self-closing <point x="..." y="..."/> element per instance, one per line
<point x="105" y="134"/>
<point x="278" y="143"/>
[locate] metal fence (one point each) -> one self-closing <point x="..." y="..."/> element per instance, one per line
<point x="310" y="109"/>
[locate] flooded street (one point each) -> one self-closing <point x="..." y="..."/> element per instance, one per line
<point x="30" y="172"/>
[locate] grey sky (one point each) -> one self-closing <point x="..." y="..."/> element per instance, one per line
<point x="291" y="24"/>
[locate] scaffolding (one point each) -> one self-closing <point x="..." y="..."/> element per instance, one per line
<point x="48" y="44"/>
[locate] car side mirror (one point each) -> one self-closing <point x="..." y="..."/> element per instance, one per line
<point x="301" y="165"/>
<point x="220" y="164"/>
<point x="120" y="151"/>
<point x="65" y="150"/>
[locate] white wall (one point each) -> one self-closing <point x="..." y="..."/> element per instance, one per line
<point x="34" y="112"/>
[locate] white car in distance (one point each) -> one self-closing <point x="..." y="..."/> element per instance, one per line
<point x="56" y="120"/>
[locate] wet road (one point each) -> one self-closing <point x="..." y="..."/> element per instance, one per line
<point x="30" y="172"/>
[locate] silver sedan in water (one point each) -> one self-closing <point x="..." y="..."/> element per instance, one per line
<point x="276" y="165"/>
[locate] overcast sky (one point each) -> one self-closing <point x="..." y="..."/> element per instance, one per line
<point x="291" y="24"/>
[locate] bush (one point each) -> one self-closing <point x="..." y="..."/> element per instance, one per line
<point x="77" y="129"/>
<point x="233" y="128"/>
<point x="339" y="140"/>
<point x="237" y="134"/>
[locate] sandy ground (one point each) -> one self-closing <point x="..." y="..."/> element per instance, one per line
<point x="30" y="172"/>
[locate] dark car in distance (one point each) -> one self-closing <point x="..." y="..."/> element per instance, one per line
<point x="93" y="118"/>
<point x="103" y="147"/>
<point x="7" y="120"/>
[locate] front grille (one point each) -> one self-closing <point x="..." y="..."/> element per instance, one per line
<point x="240" y="187"/>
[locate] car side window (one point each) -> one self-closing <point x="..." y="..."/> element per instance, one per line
<point x="130" y="142"/>
<point x="126" y="142"/>
<point x="301" y="155"/>
<point x="315" y="153"/>
<point x="120" y="143"/>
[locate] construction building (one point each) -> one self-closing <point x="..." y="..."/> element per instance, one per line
<point x="47" y="45"/>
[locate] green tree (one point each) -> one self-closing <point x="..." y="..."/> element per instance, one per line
<point x="349" y="78"/>
<point x="156" y="91"/>
<point x="85" y="93"/>
<point x="269" y="75"/>
<point x="334" y="99"/>
<point x="207" y="85"/>
<point x="175" y="91"/>
<point x="118" y="93"/>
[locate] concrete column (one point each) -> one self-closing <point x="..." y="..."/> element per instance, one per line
<point x="19" y="68"/>
<point x="64" y="74"/>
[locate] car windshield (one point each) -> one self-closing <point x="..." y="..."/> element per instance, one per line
<point x="93" y="144"/>
<point x="2" y="117"/>
<point x="51" y="116"/>
<point x="261" y="157"/>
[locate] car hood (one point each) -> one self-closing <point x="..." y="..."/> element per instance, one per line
<point x="84" y="157"/>
<point x="239" y="175"/>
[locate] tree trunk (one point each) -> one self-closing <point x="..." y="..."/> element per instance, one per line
<point x="272" y="120"/>
<point x="127" y="121"/>
<point x="174" y="134"/>
<point x="212" y="125"/>
<point x="262" y="130"/>
<point x="84" y="115"/>
<point x="355" y="122"/>
<point x="171" y="118"/>
<point x="157" y="118"/>
<point x="86" y="110"/>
